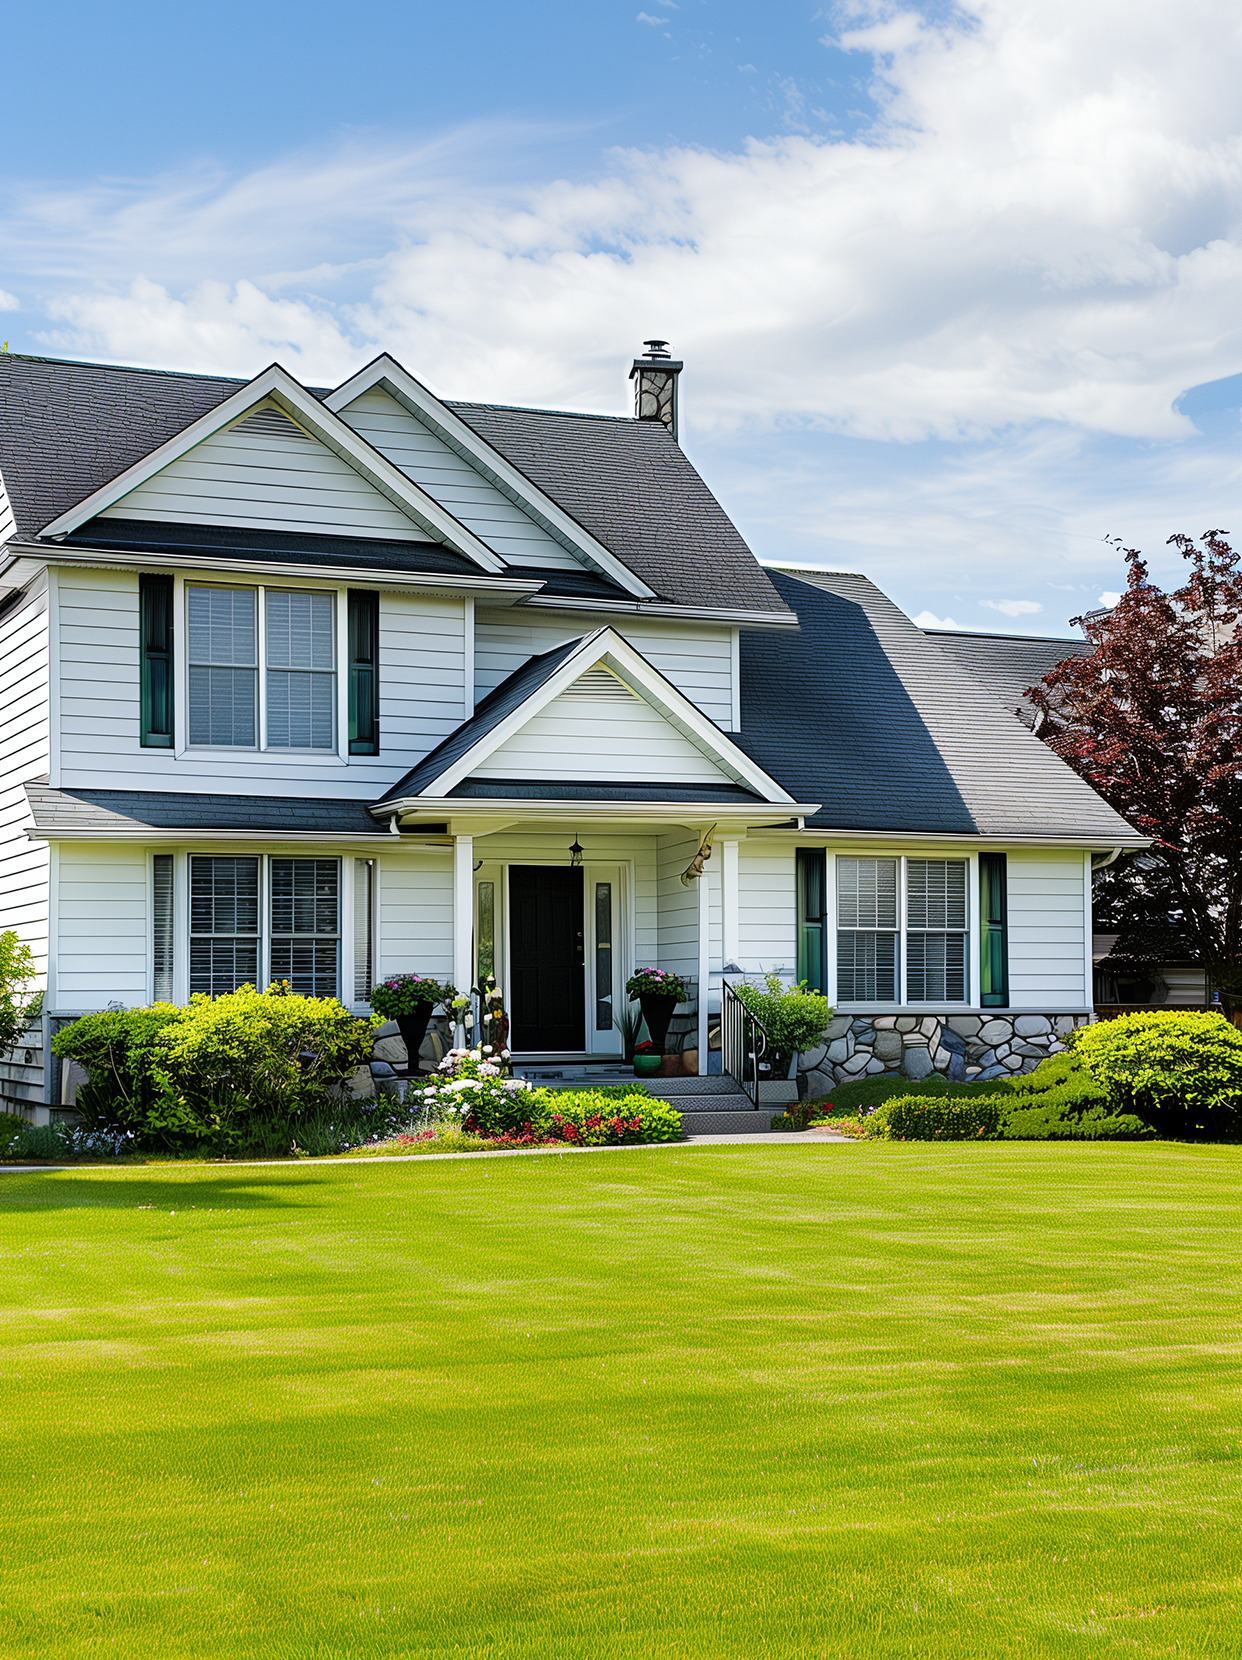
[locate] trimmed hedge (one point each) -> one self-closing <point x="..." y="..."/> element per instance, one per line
<point x="935" y="1118"/>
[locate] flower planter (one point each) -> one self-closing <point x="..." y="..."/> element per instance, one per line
<point x="657" y="1012"/>
<point x="647" y="1066"/>
<point x="413" y="1029"/>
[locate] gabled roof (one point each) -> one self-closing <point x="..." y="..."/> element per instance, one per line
<point x="866" y="714"/>
<point x="1008" y="665"/>
<point x="67" y="429"/>
<point x="276" y="387"/>
<point x="531" y="688"/>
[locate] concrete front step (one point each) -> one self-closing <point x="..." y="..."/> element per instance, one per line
<point x="671" y="1089"/>
<point x="725" y="1119"/>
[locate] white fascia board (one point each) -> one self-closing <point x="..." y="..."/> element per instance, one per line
<point x="501" y="811"/>
<point x="813" y="835"/>
<point x="501" y="590"/>
<point x="280" y="387"/>
<point x="607" y="646"/>
<point x="386" y="373"/>
<point x="670" y="613"/>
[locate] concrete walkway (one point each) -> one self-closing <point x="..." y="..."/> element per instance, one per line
<point x="804" y="1138"/>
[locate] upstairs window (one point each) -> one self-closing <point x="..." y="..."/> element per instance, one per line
<point x="895" y="948"/>
<point x="293" y="703"/>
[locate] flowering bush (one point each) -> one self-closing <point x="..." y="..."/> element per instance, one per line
<point x="589" y="1119"/>
<point x="403" y="994"/>
<point x="472" y="1088"/>
<point x="655" y="982"/>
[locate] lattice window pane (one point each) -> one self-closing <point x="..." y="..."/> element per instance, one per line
<point x="866" y="968"/>
<point x="218" y="966"/>
<point x="867" y="893"/>
<point x="309" y="965"/>
<point x="936" y="893"/>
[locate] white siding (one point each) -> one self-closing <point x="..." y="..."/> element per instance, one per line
<point x="102" y="931"/>
<point x="579" y="738"/>
<point x="24" y="755"/>
<point x="767" y="921"/>
<point x="415" y="913"/>
<point x="677" y="945"/>
<point x="267" y="481"/>
<point x="1046" y="930"/>
<point x="451" y="480"/>
<point x="699" y="662"/>
<point x="422" y="690"/>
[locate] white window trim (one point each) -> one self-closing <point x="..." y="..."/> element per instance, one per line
<point x="338" y="754"/>
<point x="967" y="1006"/>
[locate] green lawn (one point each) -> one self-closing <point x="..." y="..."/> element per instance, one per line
<point x="780" y="1401"/>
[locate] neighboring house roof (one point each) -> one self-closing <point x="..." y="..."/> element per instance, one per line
<point x="109" y="812"/>
<point x="67" y="429"/>
<point x="866" y="714"/>
<point x="1008" y="665"/>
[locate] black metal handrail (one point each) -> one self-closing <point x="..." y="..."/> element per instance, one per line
<point x="743" y="1044"/>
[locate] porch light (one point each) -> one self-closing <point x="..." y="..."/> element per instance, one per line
<point x="576" y="851"/>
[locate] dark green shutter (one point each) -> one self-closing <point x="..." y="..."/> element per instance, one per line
<point x="812" y="863"/>
<point x="994" y="932"/>
<point x="155" y="596"/>
<point x="363" y="673"/>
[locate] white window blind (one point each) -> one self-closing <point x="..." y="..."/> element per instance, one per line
<point x="223" y="669"/>
<point x="364" y="899"/>
<point x="867" y="938"/>
<point x="162" y="945"/>
<point x="224" y="924"/>
<point x="936" y="930"/>
<point x="306" y="937"/>
<point x="301" y="684"/>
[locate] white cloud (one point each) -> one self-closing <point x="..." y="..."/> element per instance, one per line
<point x="1109" y="599"/>
<point x="644" y="18"/>
<point x="1013" y="607"/>
<point x="928" y="619"/>
<point x="9" y="302"/>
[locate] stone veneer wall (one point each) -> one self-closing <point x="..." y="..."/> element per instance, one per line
<point x="961" y="1046"/>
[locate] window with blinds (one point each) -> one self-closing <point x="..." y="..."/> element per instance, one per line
<point x="223" y="667"/>
<point x="867" y="932"/>
<point x="301" y="684"/>
<point x="305" y="942"/>
<point x="364" y="937"/>
<point x="935" y="930"/>
<point x="224" y="924"/>
<point x="162" y="927"/>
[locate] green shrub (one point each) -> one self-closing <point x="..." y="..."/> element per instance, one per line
<point x="187" y="1077"/>
<point x="11" y="1127"/>
<point x="935" y="1118"/>
<point x="38" y="1141"/>
<point x="17" y="969"/>
<point x="1179" y="1072"/>
<point x="1061" y="1101"/>
<point x="596" y="1118"/>
<point x="793" y="1018"/>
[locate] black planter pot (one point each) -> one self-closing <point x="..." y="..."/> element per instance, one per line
<point x="413" y="1029"/>
<point x="657" y="1012"/>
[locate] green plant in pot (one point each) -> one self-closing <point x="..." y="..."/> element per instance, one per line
<point x="658" y="992"/>
<point x="410" y="1000"/>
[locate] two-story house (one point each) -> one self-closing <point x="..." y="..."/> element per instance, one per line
<point x="322" y="684"/>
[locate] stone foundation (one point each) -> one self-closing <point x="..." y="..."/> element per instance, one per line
<point x="962" y="1047"/>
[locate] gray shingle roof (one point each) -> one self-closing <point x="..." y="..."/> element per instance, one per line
<point x="865" y="713"/>
<point x="110" y="811"/>
<point x="1008" y="665"/>
<point x="67" y="428"/>
<point x="498" y="703"/>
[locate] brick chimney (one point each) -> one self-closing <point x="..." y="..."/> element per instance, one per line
<point x="655" y="385"/>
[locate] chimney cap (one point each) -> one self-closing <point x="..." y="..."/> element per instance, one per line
<point x="656" y="348"/>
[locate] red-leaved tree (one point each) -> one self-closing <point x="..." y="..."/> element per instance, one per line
<point x="1152" y="718"/>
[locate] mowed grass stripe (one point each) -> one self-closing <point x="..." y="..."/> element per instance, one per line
<point x="877" y="1400"/>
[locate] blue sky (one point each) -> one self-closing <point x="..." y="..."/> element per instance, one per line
<point x="958" y="289"/>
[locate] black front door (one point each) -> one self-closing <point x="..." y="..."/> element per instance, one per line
<point x="546" y="958"/>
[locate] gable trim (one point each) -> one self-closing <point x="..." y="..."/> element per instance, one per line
<point x="389" y="376"/>
<point x="279" y="387"/>
<point x="607" y="647"/>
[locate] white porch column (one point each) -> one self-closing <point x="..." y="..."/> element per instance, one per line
<point x="705" y="964"/>
<point x="463" y="912"/>
<point x="728" y="902"/>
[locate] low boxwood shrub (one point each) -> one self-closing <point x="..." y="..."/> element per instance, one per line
<point x="936" y="1118"/>
<point x="1061" y="1101"/>
<point x="1180" y="1072"/>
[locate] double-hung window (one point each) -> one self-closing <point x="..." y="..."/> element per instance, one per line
<point x="902" y="930"/>
<point x="291" y="703"/>
<point x="255" y="920"/>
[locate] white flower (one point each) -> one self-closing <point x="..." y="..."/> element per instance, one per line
<point x="487" y="1049"/>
